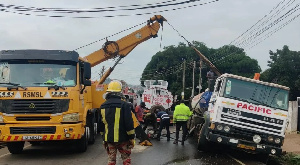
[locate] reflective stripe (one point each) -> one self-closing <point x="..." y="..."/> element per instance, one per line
<point x="131" y="132"/>
<point x="165" y="116"/>
<point x="135" y="121"/>
<point x="181" y="120"/>
<point x="182" y="115"/>
<point x="116" y="126"/>
<point x="105" y="123"/>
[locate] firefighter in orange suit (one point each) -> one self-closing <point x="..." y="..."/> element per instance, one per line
<point x="117" y="125"/>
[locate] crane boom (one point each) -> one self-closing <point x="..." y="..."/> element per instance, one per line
<point x="126" y="44"/>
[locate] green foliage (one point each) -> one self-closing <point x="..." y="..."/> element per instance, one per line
<point x="288" y="159"/>
<point x="168" y="65"/>
<point x="284" y="70"/>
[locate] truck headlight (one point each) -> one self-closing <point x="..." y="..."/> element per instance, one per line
<point x="73" y="117"/>
<point x="270" y="138"/>
<point x="226" y="128"/>
<point x="277" y="140"/>
<point x="219" y="127"/>
<point x="1" y="118"/>
<point x="256" y="139"/>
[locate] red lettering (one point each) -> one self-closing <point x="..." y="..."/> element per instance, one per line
<point x="147" y="99"/>
<point x="254" y="108"/>
<point x="258" y="109"/>
<point x="250" y="107"/>
<point x="239" y="104"/>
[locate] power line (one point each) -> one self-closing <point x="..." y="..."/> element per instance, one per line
<point x="95" y="10"/>
<point x="110" y="36"/>
<point x="264" y="29"/>
<point x="275" y="30"/>
<point x="275" y="22"/>
<point x="265" y="22"/>
<point x="117" y="15"/>
<point x="256" y="23"/>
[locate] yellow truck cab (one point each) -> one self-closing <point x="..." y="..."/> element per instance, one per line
<point x="45" y="95"/>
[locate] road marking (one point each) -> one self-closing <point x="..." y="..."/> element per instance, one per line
<point x="1" y="156"/>
<point x="4" y="155"/>
<point x="138" y="148"/>
<point x="240" y="162"/>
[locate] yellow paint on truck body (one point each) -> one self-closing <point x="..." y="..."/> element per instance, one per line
<point x="79" y="103"/>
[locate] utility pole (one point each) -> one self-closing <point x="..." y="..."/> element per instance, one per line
<point x="200" y="78"/>
<point x="183" y="80"/>
<point x="193" y="89"/>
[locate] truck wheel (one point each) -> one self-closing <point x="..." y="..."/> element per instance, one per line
<point x="82" y="143"/>
<point x="15" y="147"/>
<point x="263" y="157"/>
<point x="93" y="130"/>
<point x="202" y="141"/>
<point x="35" y="143"/>
<point x="99" y="120"/>
<point x="154" y="107"/>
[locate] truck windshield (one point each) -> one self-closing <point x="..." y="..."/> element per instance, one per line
<point x="256" y="93"/>
<point x="37" y="74"/>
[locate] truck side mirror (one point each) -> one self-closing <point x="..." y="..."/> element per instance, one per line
<point x="87" y="74"/>
<point x="87" y="71"/>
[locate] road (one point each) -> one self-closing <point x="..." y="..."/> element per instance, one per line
<point x="161" y="153"/>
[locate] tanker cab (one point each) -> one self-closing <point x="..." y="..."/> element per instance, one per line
<point x="216" y="93"/>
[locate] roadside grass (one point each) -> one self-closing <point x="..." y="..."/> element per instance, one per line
<point x="287" y="159"/>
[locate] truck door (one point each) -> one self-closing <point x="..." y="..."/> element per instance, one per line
<point x="218" y="90"/>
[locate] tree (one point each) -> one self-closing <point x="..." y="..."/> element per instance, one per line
<point x="284" y="70"/>
<point x="168" y="65"/>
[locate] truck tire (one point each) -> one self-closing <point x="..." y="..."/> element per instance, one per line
<point x="202" y="141"/>
<point x="154" y="107"/>
<point x="93" y="130"/>
<point x="35" y="143"/>
<point x="15" y="147"/>
<point x="99" y="120"/>
<point x="82" y="143"/>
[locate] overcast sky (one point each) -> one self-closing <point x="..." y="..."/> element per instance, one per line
<point x="215" y="24"/>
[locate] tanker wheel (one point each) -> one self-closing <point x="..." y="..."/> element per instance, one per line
<point x="154" y="107"/>
<point x="202" y="141"/>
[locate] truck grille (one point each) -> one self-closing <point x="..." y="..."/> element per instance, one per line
<point x="32" y="130"/>
<point x="32" y="118"/>
<point x="243" y="134"/>
<point x="253" y="122"/>
<point x="37" y="106"/>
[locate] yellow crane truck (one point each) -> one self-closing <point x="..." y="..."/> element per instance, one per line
<point x="47" y="95"/>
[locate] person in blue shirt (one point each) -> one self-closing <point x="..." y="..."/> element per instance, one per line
<point x="164" y="122"/>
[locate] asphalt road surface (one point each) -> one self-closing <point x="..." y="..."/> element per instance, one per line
<point x="161" y="153"/>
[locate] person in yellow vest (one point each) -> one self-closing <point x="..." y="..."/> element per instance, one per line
<point x="181" y="115"/>
<point x="118" y="131"/>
